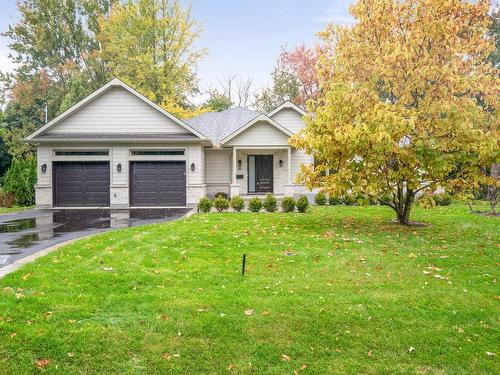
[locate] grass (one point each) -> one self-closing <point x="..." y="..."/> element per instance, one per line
<point x="11" y="210"/>
<point x="335" y="290"/>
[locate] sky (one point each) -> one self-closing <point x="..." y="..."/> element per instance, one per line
<point x="243" y="37"/>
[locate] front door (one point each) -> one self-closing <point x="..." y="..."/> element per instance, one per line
<point x="260" y="174"/>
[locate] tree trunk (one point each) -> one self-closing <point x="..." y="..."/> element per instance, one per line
<point x="403" y="204"/>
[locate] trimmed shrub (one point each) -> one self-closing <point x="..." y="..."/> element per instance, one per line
<point x="20" y="181"/>
<point x="349" y="200"/>
<point x="320" y="199"/>
<point x="288" y="204"/>
<point x="443" y="199"/>
<point x="204" y="205"/>
<point x="254" y="205"/>
<point x="302" y="203"/>
<point x="270" y="203"/>
<point x="221" y="203"/>
<point x="237" y="203"/>
<point x="6" y="200"/>
<point x="334" y="201"/>
<point x="220" y="194"/>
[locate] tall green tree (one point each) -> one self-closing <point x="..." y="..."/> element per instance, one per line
<point x="149" y="45"/>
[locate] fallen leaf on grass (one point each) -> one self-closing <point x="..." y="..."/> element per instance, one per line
<point x="412" y="255"/>
<point x="370" y="353"/>
<point x="71" y="354"/>
<point x="41" y="363"/>
<point x="26" y="276"/>
<point x="491" y="354"/>
<point x="13" y="334"/>
<point x="249" y="312"/>
<point x="108" y="268"/>
<point x="231" y="367"/>
<point x="411" y="349"/>
<point x="284" y="357"/>
<point x="303" y="367"/>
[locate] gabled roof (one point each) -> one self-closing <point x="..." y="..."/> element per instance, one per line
<point x="219" y="125"/>
<point x="113" y="83"/>
<point x="261" y="117"/>
<point x="224" y="126"/>
<point x="287" y="104"/>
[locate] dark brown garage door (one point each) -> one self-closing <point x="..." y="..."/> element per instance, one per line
<point x="81" y="184"/>
<point x="157" y="183"/>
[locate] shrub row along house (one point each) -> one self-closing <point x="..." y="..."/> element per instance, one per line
<point x="117" y="149"/>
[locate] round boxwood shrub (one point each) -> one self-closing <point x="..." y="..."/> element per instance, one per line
<point x="320" y="199"/>
<point x="334" y="201"/>
<point x="254" y="205"/>
<point x="220" y="194"/>
<point x="270" y="203"/>
<point x="204" y="205"/>
<point x="288" y="204"/>
<point x="221" y="203"/>
<point x="237" y="203"/>
<point x="302" y="203"/>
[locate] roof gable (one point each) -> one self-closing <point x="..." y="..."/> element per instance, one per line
<point x="257" y="120"/>
<point x="112" y="108"/>
<point x="287" y="104"/>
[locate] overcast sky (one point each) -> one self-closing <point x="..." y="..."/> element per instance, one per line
<point x="243" y="37"/>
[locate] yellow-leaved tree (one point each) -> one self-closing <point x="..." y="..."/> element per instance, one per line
<point x="149" y="45"/>
<point x="408" y="102"/>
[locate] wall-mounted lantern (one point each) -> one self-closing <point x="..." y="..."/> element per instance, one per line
<point x="281" y="163"/>
<point x="119" y="167"/>
<point x="239" y="164"/>
<point x="44" y="168"/>
<point x="192" y="167"/>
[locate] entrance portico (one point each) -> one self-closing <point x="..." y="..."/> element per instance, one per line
<point x="259" y="170"/>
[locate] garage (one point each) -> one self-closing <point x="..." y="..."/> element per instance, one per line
<point x="81" y="184"/>
<point x="158" y="183"/>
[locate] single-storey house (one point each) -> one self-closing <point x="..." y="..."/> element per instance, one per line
<point x="117" y="149"/>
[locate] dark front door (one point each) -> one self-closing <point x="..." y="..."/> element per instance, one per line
<point x="260" y="174"/>
<point x="81" y="184"/>
<point x="158" y="183"/>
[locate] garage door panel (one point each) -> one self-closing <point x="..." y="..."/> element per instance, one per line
<point x="81" y="184"/>
<point x="158" y="183"/>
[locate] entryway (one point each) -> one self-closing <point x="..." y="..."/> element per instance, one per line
<point x="260" y="174"/>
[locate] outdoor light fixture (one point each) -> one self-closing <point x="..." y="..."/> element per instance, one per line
<point x="119" y="167"/>
<point x="192" y="167"/>
<point x="44" y="168"/>
<point x="239" y="163"/>
<point x="281" y="163"/>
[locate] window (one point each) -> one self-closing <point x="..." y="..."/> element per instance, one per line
<point x="82" y="153"/>
<point x="156" y="152"/>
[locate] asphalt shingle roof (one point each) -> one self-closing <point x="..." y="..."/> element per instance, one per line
<point x="218" y="125"/>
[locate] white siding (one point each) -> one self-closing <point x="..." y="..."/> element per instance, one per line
<point x="196" y="155"/>
<point x="44" y="157"/>
<point x="299" y="157"/>
<point x="117" y="111"/>
<point x="218" y="166"/>
<point x="290" y="119"/>
<point x="119" y="155"/>
<point x="260" y="134"/>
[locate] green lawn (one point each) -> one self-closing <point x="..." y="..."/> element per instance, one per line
<point x="11" y="210"/>
<point x="335" y="290"/>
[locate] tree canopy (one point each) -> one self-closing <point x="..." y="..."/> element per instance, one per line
<point x="408" y="102"/>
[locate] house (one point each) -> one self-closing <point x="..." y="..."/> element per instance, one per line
<point x="117" y="149"/>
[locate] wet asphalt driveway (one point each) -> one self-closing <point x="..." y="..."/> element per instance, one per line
<point x="27" y="232"/>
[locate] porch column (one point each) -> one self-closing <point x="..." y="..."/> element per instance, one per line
<point x="233" y="177"/>
<point x="289" y="166"/>
<point x="235" y="187"/>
